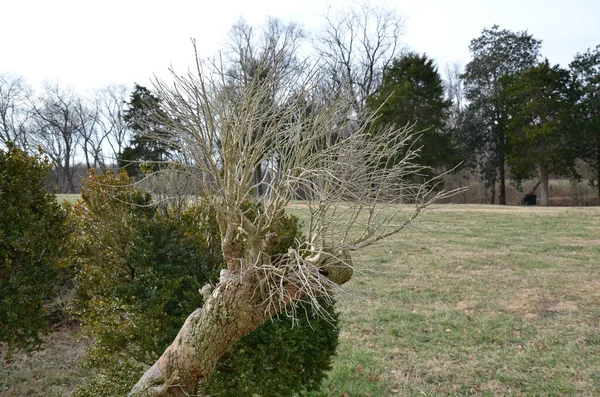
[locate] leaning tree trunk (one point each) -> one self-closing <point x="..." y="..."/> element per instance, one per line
<point x="239" y="304"/>
<point x="233" y="310"/>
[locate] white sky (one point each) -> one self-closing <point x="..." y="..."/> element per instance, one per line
<point x="93" y="43"/>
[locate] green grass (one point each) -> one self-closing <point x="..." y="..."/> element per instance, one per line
<point x="471" y="301"/>
<point x="476" y="301"/>
<point x="71" y="198"/>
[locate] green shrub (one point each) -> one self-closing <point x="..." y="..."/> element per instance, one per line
<point x="279" y="358"/>
<point x="31" y="235"/>
<point x="139" y="274"/>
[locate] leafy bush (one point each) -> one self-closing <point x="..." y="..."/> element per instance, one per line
<point x="31" y="235"/>
<point x="139" y="273"/>
<point x="279" y="358"/>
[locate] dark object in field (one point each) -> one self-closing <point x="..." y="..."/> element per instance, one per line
<point x="529" y="199"/>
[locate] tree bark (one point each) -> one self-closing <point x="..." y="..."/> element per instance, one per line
<point x="493" y="193"/>
<point x="234" y="309"/>
<point x="598" y="170"/>
<point x="544" y="178"/>
<point x="502" y="195"/>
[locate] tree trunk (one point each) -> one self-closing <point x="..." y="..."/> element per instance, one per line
<point x="534" y="188"/>
<point x="544" y="177"/>
<point x="233" y="310"/>
<point x="502" y="196"/>
<point x="258" y="179"/>
<point x="493" y="193"/>
<point x="598" y="170"/>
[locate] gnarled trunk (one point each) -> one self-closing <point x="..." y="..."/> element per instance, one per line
<point x="234" y="309"/>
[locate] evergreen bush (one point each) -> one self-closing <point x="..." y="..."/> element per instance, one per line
<point x="139" y="275"/>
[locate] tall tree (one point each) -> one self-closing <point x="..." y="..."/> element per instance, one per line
<point x="255" y="53"/>
<point x="152" y="142"/>
<point x="112" y="100"/>
<point x="92" y="135"/>
<point x="539" y="134"/>
<point x="355" y="46"/>
<point x="57" y="130"/>
<point x="14" y="111"/>
<point x="495" y="54"/>
<point x="586" y="70"/>
<point x="412" y="93"/>
<point x="455" y="93"/>
<point x="339" y="188"/>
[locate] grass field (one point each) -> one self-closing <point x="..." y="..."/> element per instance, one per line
<point x="471" y="301"/>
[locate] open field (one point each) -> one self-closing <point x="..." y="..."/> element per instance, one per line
<point x="473" y="300"/>
<point x="477" y="300"/>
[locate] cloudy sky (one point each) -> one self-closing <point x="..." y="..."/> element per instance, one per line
<point x="93" y="43"/>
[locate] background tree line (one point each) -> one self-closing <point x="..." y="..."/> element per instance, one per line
<point x="262" y="110"/>
<point x="508" y="116"/>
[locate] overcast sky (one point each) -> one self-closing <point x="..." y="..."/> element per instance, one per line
<point x="90" y="44"/>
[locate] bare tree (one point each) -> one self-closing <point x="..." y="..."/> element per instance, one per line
<point x="13" y="110"/>
<point x="351" y="201"/>
<point x="252" y="53"/>
<point x="56" y="128"/>
<point x="454" y="93"/>
<point x="355" y="46"/>
<point x="112" y="101"/>
<point x="93" y="134"/>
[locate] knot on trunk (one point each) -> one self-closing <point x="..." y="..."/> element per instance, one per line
<point x="337" y="267"/>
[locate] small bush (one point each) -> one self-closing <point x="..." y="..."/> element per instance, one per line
<point x="139" y="273"/>
<point x="31" y="236"/>
<point x="279" y="358"/>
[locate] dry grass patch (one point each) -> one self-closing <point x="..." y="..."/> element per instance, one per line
<point x="532" y="303"/>
<point x="53" y="371"/>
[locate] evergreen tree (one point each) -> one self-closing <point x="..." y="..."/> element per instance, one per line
<point x="586" y="70"/>
<point x="496" y="54"/>
<point x="32" y="234"/>
<point x="539" y="131"/>
<point x="152" y="142"/>
<point x="412" y="93"/>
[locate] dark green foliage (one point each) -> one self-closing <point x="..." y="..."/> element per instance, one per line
<point x="31" y="236"/>
<point x="140" y="271"/>
<point x="538" y="134"/>
<point x="151" y="143"/>
<point x="279" y="358"/>
<point x="496" y="54"/>
<point x="412" y="93"/>
<point x="586" y="71"/>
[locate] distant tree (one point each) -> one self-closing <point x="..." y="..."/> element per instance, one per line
<point x="151" y="142"/>
<point x="455" y="93"/>
<point x="14" y="111"/>
<point x="112" y="103"/>
<point x="539" y="132"/>
<point x="496" y="54"/>
<point x="57" y="129"/>
<point x="586" y="71"/>
<point x="255" y="54"/>
<point x="354" y="47"/>
<point x="31" y="236"/>
<point x="412" y="93"/>
<point x="93" y="135"/>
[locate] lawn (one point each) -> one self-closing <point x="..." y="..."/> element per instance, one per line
<point x="472" y="300"/>
<point x="476" y="300"/>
